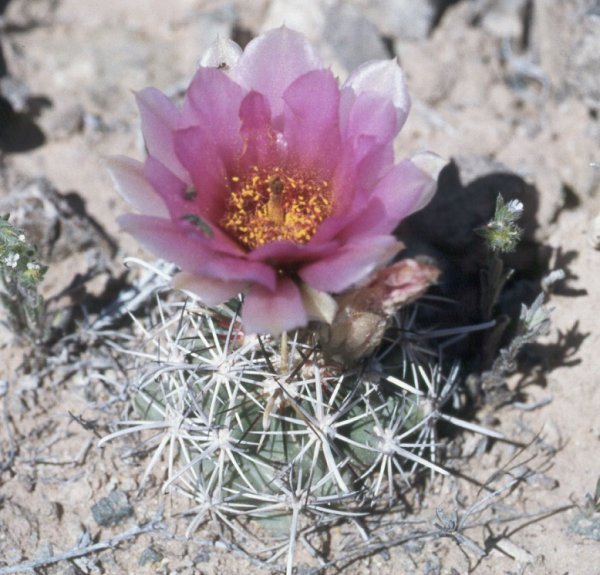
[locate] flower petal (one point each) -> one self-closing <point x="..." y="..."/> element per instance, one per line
<point x="165" y="239"/>
<point x="385" y="78"/>
<point x="287" y="252"/>
<point x="128" y="176"/>
<point x="222" y="53"/>
<point x="212" y="103"/>
<point x="403" y="190"/>
<point x="186" y="247"/>
<point x="188" y="205"/>
<point x="431" y="164"/>
<point x="369" y="114"/>
<point x="260" y="144"/>
<point x="196" y="150"/>
<point x="319" y="305"/>
<point x="272" y="61"/>
<point x="210" y="290"/>
<point x="267" y="311"/>
<point x="160" y="118"/>
<point x="351" y="264"/>
<point x="311" y="120"/>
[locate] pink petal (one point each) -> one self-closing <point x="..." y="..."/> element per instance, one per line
<point x="403" y="189"/>
<point x="166" y="239"/>
<point x="273" y="312"/>
<point x="311" y="120"/>
<point x="240" y="269"/>
<point x="369" y="114"/>
<point x="351" y="264"/>
<point x="183" y="208"/>
<point x="210" y="290"/>
<point x="260" y="146"/>
<point x="366" y="221"/>
<point x="166" y="184"/>
<point x="272" y="61"/>
<point x="189" y="249"/>
<point x="196" y="150"/>
<point x="431" y="164"/>
<point x="129" y="180"/>
<point x="212" y="103"/>
<point x="385" y="78"/>
<point x="288" y="252"/>
<point x="160" y="118"/>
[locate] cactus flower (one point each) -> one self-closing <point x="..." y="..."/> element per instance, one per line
<point x="272" y="179"/>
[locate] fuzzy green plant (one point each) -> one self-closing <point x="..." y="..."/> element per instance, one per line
<point x="501" y="235"/>
<point x="20" y="276"/>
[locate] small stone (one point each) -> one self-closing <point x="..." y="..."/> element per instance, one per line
<point x="583" y="72"/>
<point x="150" y="555"/>
<point x="404" y="19"/>
<point x="586" y="525"/>
<point x="112" y="510"/>
<point x="352" y="38"/>
<point x="202" y="557"/>
<point x="16" y="92"/>
<point x="505" y="18"/>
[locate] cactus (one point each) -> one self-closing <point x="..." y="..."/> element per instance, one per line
<point x="270" y="428"/>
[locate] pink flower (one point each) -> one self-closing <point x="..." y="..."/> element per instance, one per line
<point x="272" y="179"/>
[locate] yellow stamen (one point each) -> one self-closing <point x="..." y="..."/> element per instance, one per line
<point x="267" y="206"/>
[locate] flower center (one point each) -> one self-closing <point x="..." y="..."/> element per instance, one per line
<point x="272" y="205"/>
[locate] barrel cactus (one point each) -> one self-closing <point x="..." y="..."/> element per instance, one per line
<point x="274" y="429"/>
<point x="287" y="373"/>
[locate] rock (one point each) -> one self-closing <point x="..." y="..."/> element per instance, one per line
<point x="150" y="555"/>
<point x="404" y="19"/>
<point x="505" y="18"/>
<point x="586" y="525"/>
<point x="583" y="72"/>
<point x="112" y="510"/>
<point x="17" y="93"/>
<point x="352" y="38"/>
<point x="566" y="38"/>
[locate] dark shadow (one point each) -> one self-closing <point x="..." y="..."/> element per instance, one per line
<point x="541" y="359"/>
<point x="445" y="231"/>
<point x="3" y="65"/>
<point x="18" y="131"/>
<point x="241" y="36"/>
<point x="442" y="6"/>
<point x="77" y="206"/>
<point x="3" y="5"/>
<point x="562" y="261"/>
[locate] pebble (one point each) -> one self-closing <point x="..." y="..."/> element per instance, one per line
<point x="150" y="555"/>
<point x="404" y="19"/>
<point x="112" y="510"/>
<point x="505" y="18"/>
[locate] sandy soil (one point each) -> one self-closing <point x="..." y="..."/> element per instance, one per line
<point x="502" y="90"/>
